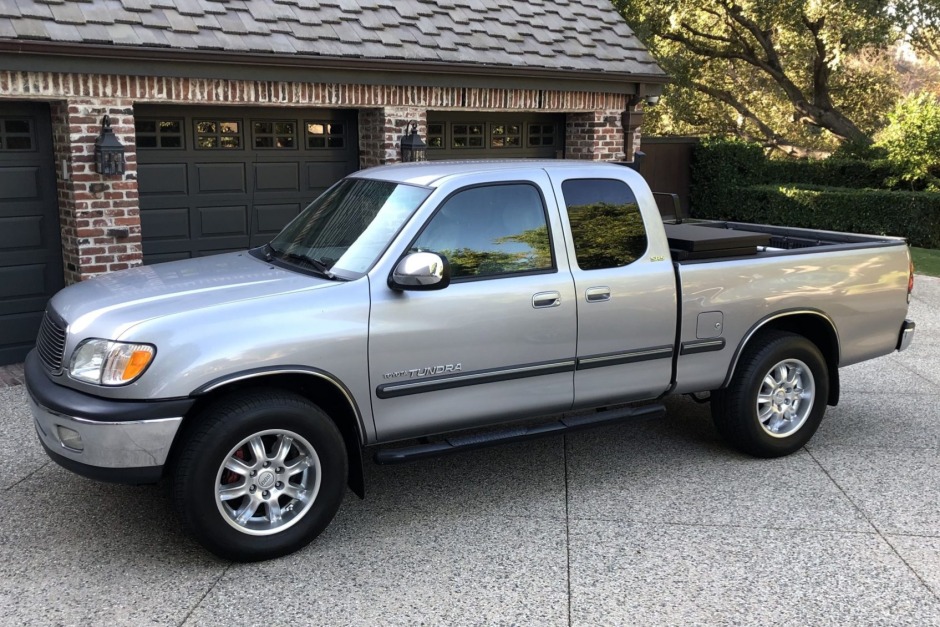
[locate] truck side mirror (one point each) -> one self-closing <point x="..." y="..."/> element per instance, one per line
<point x="420" y="271"/>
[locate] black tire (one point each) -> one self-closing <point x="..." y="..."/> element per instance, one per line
<point x="286" y="518"/>
<point x="737" y="413"/>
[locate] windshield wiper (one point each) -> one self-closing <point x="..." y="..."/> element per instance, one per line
<point x="316" y="264"/>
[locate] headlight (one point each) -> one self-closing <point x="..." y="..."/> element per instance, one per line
<point x="104" y="362"/>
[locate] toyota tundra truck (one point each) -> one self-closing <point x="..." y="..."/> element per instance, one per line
<point x="420" y="309"/>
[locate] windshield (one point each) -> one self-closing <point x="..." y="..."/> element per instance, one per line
<point x="347" y="228"/>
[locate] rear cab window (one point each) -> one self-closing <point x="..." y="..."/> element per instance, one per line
<point x="606" y="224"/>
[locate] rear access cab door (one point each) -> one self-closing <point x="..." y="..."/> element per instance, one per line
<point x="624" y="283"/>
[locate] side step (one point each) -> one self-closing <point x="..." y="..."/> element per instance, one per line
<point x="514" y="434"/>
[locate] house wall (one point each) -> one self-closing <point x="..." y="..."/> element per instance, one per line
<point x="99" y="216"/>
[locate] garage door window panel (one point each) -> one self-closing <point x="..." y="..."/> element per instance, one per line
<point x="491" y="231"/>
<point x="542" y="134"/>
<point x="505" y="136"/>
<point x="325" y="134"/>
<point x="219" y="134"/>
<point x="436" y="136"/>
<point x="157" y="133"/>
<point x="16" y="134"/>
<point x="274" y="135"/>
<point x="469" y="136"/>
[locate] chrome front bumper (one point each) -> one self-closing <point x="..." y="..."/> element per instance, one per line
<point x="132" y="444"/>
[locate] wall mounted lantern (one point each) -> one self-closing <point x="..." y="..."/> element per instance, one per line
<point x="412" y="148"/>
<point x="109" y="152"/>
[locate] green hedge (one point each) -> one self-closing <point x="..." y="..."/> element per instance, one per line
<point x="722" y="163"/>
<point x="914" y="215"/>
<point x="719" y="166"/>
<point x="830" y="172"/>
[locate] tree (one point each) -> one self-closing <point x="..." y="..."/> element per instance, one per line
<point x="912" y="140"/>
<point x="770" y="69"/>
<point x="921" y="19"/>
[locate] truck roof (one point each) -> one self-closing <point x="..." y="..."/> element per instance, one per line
<point x="427" y="173"/>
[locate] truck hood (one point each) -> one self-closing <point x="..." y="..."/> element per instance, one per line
<point x="117" y="301"/>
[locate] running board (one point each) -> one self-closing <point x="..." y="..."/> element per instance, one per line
<point x="514" y="434"/>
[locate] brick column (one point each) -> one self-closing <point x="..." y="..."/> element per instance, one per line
<point x="381" y="130"/>
<point x="99" y="216"/>
<point x="594" y="136"/>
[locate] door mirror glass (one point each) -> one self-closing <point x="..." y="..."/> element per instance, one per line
<point x="421" y="271"/>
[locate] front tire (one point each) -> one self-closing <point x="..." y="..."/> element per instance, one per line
<point x="776" y="398"/>
<point x="260" y="475"/>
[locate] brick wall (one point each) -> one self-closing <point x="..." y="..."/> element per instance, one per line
<point x="169" y="90"/>
<point x="381" y="131"/>
<point x="99" y="216"/>
<point x="594" y="136"/>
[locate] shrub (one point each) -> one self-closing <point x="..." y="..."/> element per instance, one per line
<point x="914" y="215"/>
<point x="720" y="165"/>
<point x="833" y="172"/>
<point x="912" y="140"/>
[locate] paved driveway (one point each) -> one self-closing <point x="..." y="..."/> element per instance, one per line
<point x="649" y="524"/>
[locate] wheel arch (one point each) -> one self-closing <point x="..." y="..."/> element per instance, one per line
<point x="317" y="386"/>
<point x="812" y="324"/>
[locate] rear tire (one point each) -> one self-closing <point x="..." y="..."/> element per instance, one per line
<point x="260" y="475"/>
<point x="776" y="398"/>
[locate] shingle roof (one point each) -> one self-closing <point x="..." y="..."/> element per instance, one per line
<point x="587" y="35"/>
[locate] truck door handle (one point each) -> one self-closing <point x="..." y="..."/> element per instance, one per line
<point x="543" y="300"/>
<point x="597" y="294"/>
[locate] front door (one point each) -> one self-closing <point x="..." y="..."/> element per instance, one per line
<point x="499" y="341"/>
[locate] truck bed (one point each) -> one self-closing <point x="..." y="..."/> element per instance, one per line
<point x="692" y="241"/>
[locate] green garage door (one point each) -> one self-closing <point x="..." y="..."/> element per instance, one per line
<point x="30" y="244"/>
<point x="217" y="179"/>
<point x="470" y="135"/>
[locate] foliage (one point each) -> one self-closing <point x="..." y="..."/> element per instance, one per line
<point x="832" y="172"/>
<point x="719" y="166"/>
<point x="914" y="215"/>
<point x="912" y="140"/>
<point x="777" y="72"/>
<point x="922" y="18"/>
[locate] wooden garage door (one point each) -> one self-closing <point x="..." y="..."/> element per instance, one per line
<point x="30" y="244"/>
<point x="218" y="179"/>
<point x="473" y="135"/>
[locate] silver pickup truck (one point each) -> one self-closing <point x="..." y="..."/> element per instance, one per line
<point x="414" y="310"/>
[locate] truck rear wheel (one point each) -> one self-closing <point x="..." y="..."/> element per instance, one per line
<point x="261" y="475"/>
<point x="776" y="398"/>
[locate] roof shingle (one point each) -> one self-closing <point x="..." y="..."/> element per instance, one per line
<point x="586" y="35"/>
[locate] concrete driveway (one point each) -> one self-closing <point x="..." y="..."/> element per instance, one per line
<point x="649" y="524"/>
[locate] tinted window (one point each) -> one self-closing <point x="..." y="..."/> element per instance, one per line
<point x="606" y="224"/>
<point x="487" y="231"/>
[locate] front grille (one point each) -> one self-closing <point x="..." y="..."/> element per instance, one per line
<point x="51" y="342"/>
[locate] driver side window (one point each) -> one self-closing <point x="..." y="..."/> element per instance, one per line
<point x="491" y="231"/>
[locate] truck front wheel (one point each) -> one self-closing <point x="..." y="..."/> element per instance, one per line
<point x="260" y="475"/>
<point x="776" y="398"/>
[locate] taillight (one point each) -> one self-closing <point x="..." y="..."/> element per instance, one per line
<point x="910" y="280"/>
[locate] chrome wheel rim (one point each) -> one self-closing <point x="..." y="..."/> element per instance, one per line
<point x="785" y="398"/>
<point x="267" y="482"/>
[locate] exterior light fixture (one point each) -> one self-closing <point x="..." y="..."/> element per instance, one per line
<point x="109" y="152"/>
<point x="412" y="147"/>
